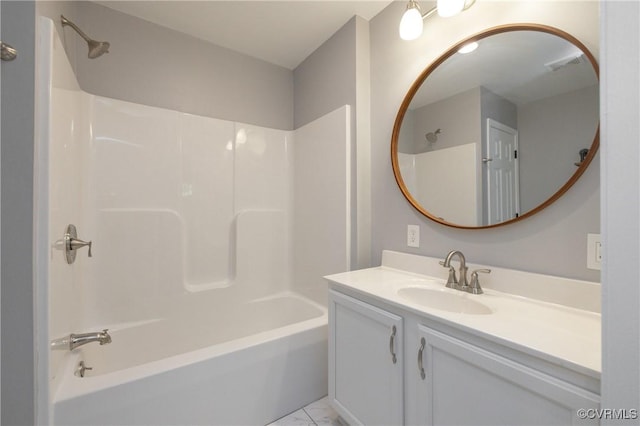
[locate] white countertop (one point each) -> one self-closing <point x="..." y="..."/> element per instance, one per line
<point x="561" y="334"/>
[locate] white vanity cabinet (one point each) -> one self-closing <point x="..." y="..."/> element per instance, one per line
<point x="467" y="385"/>
<point x="468" y="380"/>
<point x="365" y="362"/>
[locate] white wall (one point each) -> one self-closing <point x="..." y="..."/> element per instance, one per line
<point x="553" y="241"/>
<point x="620" y="109"/>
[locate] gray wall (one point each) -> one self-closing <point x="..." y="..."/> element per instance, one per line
<point x="326" y="79"/>
<point x="551" y="242"/>
<point x="550" y="151"/>
<point x="620" y="106"/>
<point x="497" y="108"/>
<point x="17" y="103"/>
<point x="153" y="65"/>
<point x="406" y="143"/>
<point x="458" y="117"/>
<point x="337" y="74"/>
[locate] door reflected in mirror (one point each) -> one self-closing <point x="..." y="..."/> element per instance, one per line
<point x="491" y="136"/>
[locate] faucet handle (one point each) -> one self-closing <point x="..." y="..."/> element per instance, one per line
<point x="474" y="285"/>
<point x="81" y="369"/>
<point x="76" y="243"/>
<point x="71" y="244"/>
<point x="452" y="280"/>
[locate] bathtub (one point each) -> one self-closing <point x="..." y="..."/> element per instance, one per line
<point x="210" y="362"/>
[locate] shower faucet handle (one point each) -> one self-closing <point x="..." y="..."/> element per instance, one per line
<point x="76" y="244"/>
<point x="72" y="243"/>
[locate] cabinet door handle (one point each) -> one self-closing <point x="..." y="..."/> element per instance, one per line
<point x="391" y="344"/>
<point x="420" y="367"/>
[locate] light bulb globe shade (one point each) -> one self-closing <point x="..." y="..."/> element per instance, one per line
<point x="411" y="24"/>
<point x="468" y="48"/>
<point x="448" y="8"/>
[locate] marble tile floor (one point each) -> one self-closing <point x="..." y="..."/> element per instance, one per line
<point x="317" y="413"/>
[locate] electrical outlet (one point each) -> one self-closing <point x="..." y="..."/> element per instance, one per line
<point x="413" y="235"/>
<point x="594" y="251"/>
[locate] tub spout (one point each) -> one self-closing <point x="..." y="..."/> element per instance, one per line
<point x="75" y="340"/>
<point x="101" y="337"/>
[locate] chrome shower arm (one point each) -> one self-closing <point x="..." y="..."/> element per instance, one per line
<point x="65" y="21"/>
<point x="96" y="48"/>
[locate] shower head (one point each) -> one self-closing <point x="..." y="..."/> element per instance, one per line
<point x="432" y="137"/>
<point x="96" y="48"/>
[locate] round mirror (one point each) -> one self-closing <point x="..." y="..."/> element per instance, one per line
<point x="496" y="134"/>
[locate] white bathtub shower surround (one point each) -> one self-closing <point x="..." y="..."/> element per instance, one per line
<point x="181" y="202"/>
<point x="210" y="205"/>
<point x="61" y="149"/>
<point x="240" y="364"/>
<point x="195" y="237"/>
<point x="322" y="213"/>
<point x="464" y="182"/>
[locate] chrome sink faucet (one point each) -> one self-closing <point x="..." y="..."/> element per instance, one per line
<point x="462" y="284"/>
<point x="75" y="340"/>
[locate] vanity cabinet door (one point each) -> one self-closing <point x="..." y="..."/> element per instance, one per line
<point x="365" y="362"/>
<point x="466" y="385"/>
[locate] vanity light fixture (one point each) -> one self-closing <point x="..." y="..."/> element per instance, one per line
<point x="448" y="8"/>
<point x="412" y="20"/>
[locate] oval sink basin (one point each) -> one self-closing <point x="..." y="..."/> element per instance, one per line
<point x="444" y="301"/>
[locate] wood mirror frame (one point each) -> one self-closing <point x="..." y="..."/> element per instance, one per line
<point x="430" y="69"/>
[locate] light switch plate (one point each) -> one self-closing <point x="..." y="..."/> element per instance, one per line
<point x="594" y="252"/>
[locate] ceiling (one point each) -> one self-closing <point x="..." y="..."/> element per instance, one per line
<point x="517" y="65"/>
<point x="281" y="32"/>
